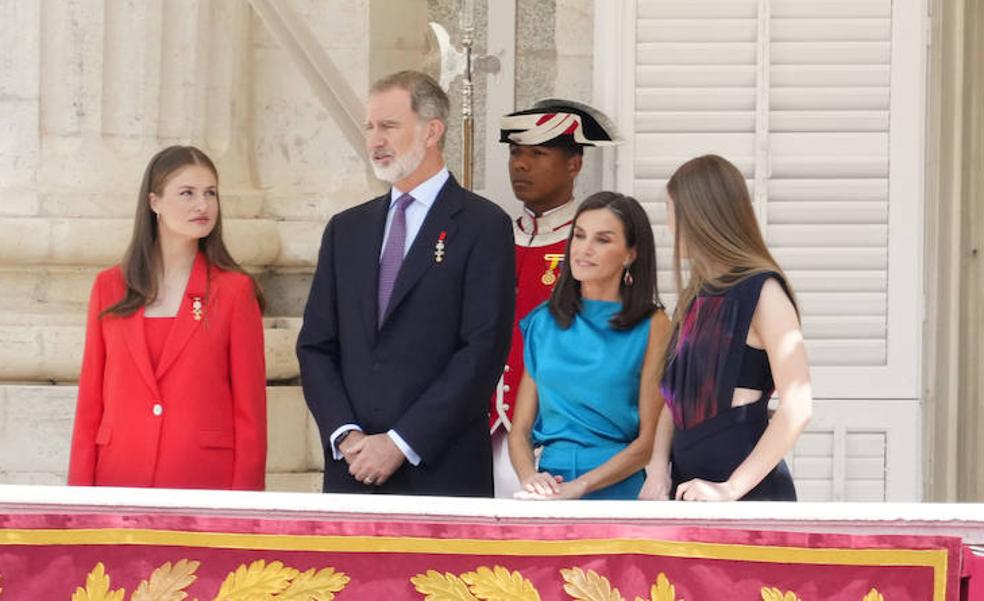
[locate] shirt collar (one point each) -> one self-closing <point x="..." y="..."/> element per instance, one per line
<point x="426" y="193"/>
<point x="551" y="221"/>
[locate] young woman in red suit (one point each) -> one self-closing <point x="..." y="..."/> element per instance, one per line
<point x="173" y="386"/>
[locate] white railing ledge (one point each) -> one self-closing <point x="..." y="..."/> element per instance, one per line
<point x="953" y="519"/>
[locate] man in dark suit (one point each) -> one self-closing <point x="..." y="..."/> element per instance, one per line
<point x="408" y="321"/>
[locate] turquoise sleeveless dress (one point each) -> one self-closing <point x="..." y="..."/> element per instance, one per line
<point x="587" y="380"/>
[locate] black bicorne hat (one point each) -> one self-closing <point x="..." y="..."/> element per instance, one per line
<point x="558" y="122"/>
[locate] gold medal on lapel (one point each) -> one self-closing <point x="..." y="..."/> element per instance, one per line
<point x="549" y="277"/>
<point x="196" y="308"/>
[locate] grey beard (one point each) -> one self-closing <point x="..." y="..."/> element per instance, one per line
<point x="402" y="165"/>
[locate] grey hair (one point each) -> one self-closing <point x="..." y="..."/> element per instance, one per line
<point x="427" y="99"/>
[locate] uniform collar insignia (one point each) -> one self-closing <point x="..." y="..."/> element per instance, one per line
<point x="550" y="221"/>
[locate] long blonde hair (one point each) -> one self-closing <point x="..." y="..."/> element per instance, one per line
<point x="716" y="222"/>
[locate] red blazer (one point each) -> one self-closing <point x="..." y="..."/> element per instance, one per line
<point x="199" y="419"/>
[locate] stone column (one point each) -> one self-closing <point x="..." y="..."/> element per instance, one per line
<point x="954" y="248"/>
<point x="89" y="91"/>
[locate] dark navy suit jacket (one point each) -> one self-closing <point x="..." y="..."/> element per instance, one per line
<point x="429" y="369"/>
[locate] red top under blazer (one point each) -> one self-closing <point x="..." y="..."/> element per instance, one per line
<point x="199" y="419"/>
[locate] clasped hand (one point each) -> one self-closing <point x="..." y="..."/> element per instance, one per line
<point x="544" y="485"/>
<point x="372" y="459"/>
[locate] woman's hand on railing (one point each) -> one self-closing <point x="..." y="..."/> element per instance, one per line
<point x="539" y="485"/>
<point x="657" y="485"/>
<point x="703" y="490"/>
<point x="575" y="489"/>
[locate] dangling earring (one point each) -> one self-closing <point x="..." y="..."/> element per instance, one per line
<point x="158" y="216"/>
<point x="627" y="278"/>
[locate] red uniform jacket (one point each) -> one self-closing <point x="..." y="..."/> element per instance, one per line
<point x="540" y="245"/>
<point x="199" y="419"/>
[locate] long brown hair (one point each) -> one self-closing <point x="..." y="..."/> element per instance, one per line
<point x="141" y="262"/>
<point x="716" y="222"/>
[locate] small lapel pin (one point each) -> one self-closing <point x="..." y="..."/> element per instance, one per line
<point x="439" y="247"/>
<point x="196" y="308"/>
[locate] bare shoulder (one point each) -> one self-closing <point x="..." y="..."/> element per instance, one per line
<point x="774" y="298"/>
<point x="659" y="323"/>
<point x="659" y="328"/>
<point x="774" y="315"/>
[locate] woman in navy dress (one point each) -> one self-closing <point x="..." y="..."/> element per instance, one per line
<point x="589" y="396"/>
<point x="735" y="340"/>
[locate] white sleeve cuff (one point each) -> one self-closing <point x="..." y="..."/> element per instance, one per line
<point x="335" y="453"/>
<point x="401" y="444"/>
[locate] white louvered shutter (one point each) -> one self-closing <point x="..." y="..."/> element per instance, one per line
<point x="798" y="94"/>
<point x="830" y="190"/>
<point x="695" y="93"/>
<point x="820" y="105"/>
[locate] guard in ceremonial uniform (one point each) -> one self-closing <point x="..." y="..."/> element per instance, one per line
<point x="546" y="148"/>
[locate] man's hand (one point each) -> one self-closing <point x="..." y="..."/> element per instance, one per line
<point x="348" y="445"/>
<point x="374" y="458"/>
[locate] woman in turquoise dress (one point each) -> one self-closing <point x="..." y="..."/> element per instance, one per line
<point x="589" y="398"/>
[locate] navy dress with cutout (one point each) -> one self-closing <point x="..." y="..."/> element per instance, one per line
<point x="710" y="359"/>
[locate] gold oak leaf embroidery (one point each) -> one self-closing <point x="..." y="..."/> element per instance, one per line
<point x="97" y="587"/>
<point x="588" y="587"/>
<point x="259" y="581"/>
<point x="662" y="590"/>
<point x="774" y="594"/>
<point x="315" y="586"/>
<point x="873" y="595"/>
<point x="437" y="587"/>
<point x="168" y="582"/>
<point x="499" y="584"/>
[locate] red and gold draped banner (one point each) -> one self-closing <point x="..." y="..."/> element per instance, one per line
<point x="167" y="557"/>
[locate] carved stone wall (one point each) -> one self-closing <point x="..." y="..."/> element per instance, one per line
<point x="91" y="89"/>
<point x="554" y="58"/>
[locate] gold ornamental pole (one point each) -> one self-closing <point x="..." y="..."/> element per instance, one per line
<point x="467" y="120"/>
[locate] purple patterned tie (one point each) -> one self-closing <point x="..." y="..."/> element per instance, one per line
<point x="389" y="265"/>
